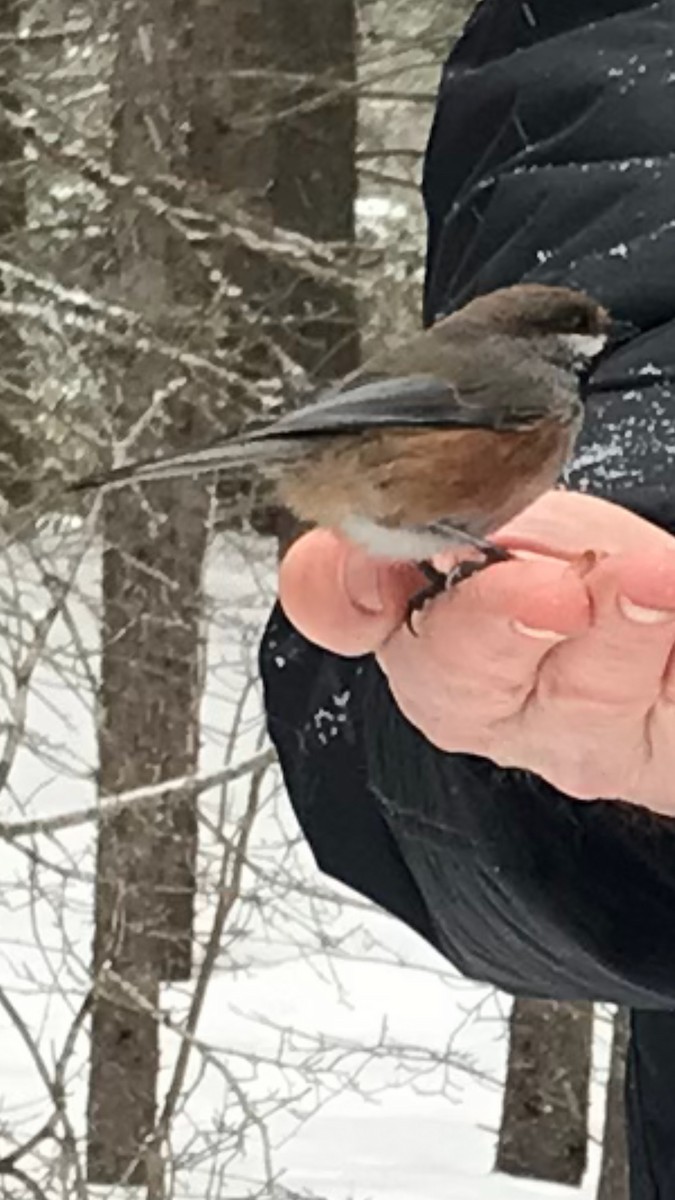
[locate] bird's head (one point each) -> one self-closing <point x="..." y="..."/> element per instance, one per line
<point x="569" y="323"/>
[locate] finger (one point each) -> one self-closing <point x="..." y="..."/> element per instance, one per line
<point x="479" y="647"/>
<point x="588" y="726"/>
<point x="339" y="597"/>
<point x="623" y="658"/>
<point x="564" y="524"/>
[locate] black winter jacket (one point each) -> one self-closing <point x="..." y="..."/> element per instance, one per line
<point x="551" y="158"/>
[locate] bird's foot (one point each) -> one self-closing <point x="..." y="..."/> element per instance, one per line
<point x="437" y="582"/>
<point x="471" y="566"/>
<point x="443" y="581"/>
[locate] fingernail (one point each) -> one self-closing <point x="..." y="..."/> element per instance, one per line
<point x="645" y="616"/>
<point x="544" y="635"/>
<point x="361" y="581"/>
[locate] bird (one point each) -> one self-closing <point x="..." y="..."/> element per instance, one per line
<point x="433" y="444"/>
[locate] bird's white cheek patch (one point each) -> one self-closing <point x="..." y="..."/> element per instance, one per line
<point x="585" y="345"/>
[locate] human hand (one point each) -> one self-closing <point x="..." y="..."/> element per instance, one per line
<point x="533" y="663"/>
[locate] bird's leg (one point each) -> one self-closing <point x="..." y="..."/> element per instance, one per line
<point x="443" y="581"/>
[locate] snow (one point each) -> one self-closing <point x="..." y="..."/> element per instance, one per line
<point x="373" y="1066"/>
<point x="529" y="15"/>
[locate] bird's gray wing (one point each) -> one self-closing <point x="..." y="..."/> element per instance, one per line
<point x="361" y="404"/>
<point x="406" y="400"/>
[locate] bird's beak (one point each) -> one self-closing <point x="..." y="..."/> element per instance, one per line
<point x="621" y="331"/>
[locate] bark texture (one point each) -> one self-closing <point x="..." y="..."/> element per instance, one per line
<point x="544" y="1129"/>
<point x="150" y="670"/>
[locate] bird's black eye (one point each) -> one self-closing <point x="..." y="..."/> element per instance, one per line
<point x="579" y="323"/>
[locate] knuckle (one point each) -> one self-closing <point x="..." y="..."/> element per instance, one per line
<point x="582" y="777"/>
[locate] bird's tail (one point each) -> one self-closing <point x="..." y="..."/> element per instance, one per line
<point x="232" y="455"/>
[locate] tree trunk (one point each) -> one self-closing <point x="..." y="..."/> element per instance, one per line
<point x="314" y="192"/>
<point x="18" y="467"/>
<point x="273" y="126"/>
<point x="154" y="543"/>
<point x="544" y="1126"/>
<point x="613" y="1183"/>
<point x="315" y="180"/>
<point x="244" y="153"/>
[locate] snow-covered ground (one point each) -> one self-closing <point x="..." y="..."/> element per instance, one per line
<point x="342" y="1055"/>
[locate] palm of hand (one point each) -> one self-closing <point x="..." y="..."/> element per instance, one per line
<point x="533" y="663"/>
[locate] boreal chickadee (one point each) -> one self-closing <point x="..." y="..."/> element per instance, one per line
<point x="437" y="442"/>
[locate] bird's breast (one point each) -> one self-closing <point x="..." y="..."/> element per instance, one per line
<point x="403" y="543"/>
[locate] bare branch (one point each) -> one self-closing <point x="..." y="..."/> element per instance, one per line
<point x="11" y="831"/>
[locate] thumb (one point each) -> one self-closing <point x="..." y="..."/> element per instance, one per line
<point x="339" y="597"/>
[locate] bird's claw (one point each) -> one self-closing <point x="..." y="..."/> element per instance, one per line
<point x="444" y="581"/>
<point x="437" y="582"/>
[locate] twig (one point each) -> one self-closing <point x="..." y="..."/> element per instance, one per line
<point x="228" y="896"/>
<point x="54" y="1087"/>
<point x="109" y="805"/>
<point x="23" y="676"/>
